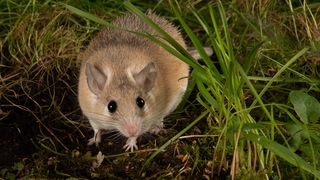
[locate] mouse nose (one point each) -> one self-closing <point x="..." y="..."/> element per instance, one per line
<point x="131" y="129"/>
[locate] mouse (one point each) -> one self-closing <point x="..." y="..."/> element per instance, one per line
<point x="129" y="84"/>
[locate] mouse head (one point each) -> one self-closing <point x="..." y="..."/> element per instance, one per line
<point x="123" y="97"/>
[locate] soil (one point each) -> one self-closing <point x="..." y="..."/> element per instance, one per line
<point x="17" y="140"/>
<point x="23" y="139"/>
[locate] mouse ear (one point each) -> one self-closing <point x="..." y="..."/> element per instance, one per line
<point x="95" y="78"/>
<point x="146" y="77"/>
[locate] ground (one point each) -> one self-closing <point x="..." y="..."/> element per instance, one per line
<point x="254" y="110"/>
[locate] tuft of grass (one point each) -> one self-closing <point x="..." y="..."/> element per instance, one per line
<point x="38" y="63"/>
<point x="222" y="94"/>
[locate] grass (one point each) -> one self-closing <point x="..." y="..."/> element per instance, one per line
<point x="251" y="111"/>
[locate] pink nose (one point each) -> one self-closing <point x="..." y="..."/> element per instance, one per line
<point x="131" y="129"/>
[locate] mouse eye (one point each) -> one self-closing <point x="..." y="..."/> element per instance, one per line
<point x="112" y="106"/>
<point x="140" y="102"/>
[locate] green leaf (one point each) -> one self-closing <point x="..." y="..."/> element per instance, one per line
<point x="298" y="135"/>
<point x="306" y="106"/>
<point x="283" y="152"/>
<point x="307" y="152"/>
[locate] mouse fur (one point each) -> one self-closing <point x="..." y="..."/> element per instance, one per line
<point x="120" y="68"/>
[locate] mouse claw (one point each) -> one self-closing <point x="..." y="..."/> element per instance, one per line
<point x="96" y="138"/>
<point x="157" y="128"/>
<point x="131" y="144"/>
<point x="92" y="141"/>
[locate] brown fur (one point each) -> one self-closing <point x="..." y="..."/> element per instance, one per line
<point x="114" y="51"/>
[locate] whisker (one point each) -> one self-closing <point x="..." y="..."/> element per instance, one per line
<point x="96" y="114"/>
<point x="101" y="117"/>
<point x="116" y="136"/>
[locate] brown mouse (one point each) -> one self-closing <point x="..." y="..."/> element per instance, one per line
<point x="128" y="83"/>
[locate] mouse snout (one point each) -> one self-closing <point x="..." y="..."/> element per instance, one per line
<point x="132" y="129"/>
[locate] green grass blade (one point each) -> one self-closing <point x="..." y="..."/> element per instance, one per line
<point x="165" y="35"/>
<point x="267" y="86"/>
<point x="254" y="92"/>
<point x="197" y="44"/>
<point x="191" y="86"/>
<point x="87" y="15"/>
<point x="284" y="153"/>
<point x="248" y="62"/>
<point x="250" y="22"/>
<point x="173" y="51"/>
<point x="165" y="145"/>
<point x="226" y="30"/>
<point x="205" y="93"/>
<point x="252" y="55"/>
<point x="185" y="56"/>
<point x="218" y="45"/>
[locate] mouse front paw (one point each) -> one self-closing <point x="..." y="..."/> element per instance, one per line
<point x="92" y="141"/>
<point x="157" y="129"/>
<point x="131" y="144"/>
<point x="96" y="138"/>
